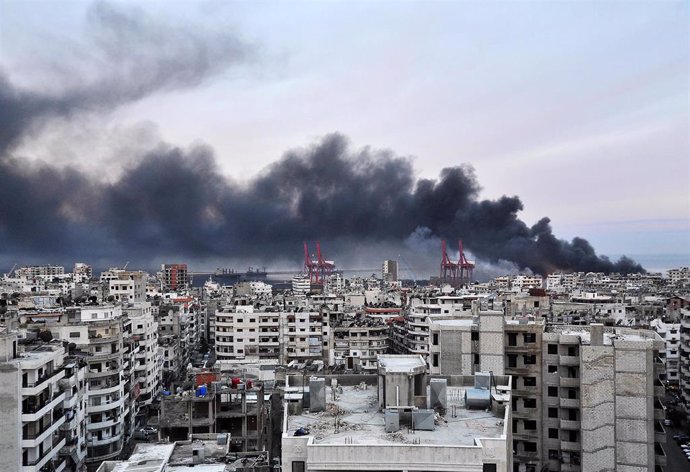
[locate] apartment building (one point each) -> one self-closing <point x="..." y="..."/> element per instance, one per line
<point x="395" y="422"/>
<point x="670" y="354"/>
<point x="684" y="361"/>
<point x="40" y="416"/>
<point x="127" y="286"/>
<point x="28" y="272"/>
<point x="179" y="317"/>
<point x="174" y="277"/>
<point x="304" y="336"/>
<point x="147" y="364"/>
<point x="523" y="361"/>
<point x="82" y="272"/>
<point x="585" y="397"/>
<point x="357" y="342"/>
<point x="241" y="332"/>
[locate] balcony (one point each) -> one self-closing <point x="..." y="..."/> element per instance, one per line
<point x="105" y="388"/>
<point x="94" y="374"/>
<point x="35" y="413"/>
<point x="569" y="360"/>
<point x="37" y="465"/>
<point x="98" y="339"/>
<point x="34" y="439"/>
<point x="569" y="402"/>
<point x="570" y="446"/>
<point x="659" y="455"/>
<point x="103" y="356"/>
<point x="104" y="406"/>
<point x="34" y="388"/>
<point x="569" y="382"/>
<point x="106" y="423"/>
<point x="570" y="425"/>
<point x="659" y="433"/>
<point x="105" y="440"/>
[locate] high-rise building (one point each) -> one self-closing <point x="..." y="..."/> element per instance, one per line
<point x="389" y="272"/>
<point x="174" y="277"/>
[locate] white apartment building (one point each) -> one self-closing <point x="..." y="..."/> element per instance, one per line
<point x="147" y="364"/>
<point x="670" y="355"/>
<point x="32" y="406"/>
<point x="127" y="286"/>
<point x="82" y="272"/>
<point x="301" y="285"/>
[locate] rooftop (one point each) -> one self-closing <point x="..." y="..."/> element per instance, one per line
<point x="401" y="364"/>
<point x="145" y="458"/>
<point x="356" y="413"/>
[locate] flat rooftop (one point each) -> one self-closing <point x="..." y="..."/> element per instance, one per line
<point x="145" y="458"/>
<point x="401" y="364"/>
<point x="454" y="322"/>
<point x="360" y="420"/>
<point x="182" y="454"/>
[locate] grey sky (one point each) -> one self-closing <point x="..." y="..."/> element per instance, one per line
<point x="580" y="108"/>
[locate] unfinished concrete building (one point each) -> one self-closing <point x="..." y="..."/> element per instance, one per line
<point x="602" y="397"/>
<point x="523" y="361"/>
<point x="237" y="409"/>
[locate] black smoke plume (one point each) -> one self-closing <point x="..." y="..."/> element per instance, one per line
<point x="176" y="203"/>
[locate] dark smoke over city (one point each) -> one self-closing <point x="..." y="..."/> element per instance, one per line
<point x="176" y="203"/>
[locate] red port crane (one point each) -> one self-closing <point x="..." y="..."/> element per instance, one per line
<point x="449" y="269"/>
<point x="465" y="267"/>
<point x="318" y="269"/>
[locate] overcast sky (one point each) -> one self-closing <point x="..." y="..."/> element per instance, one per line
<point x="580" y="108"/>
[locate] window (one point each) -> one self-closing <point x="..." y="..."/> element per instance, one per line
<point x="553" y="349"/>
<point x="530" y="402"/>
<point x="512" y="339"/>
<point x="489" y="468"/>
<point x="435" y="339"/>
<point x="530" y="381"/>
<point x="529" y="337"/>
<point x="435" y="360"/>
<point x="553" y="412"/>
<point x="74" y="334"/>
<point x="530" y="425"/>
<point x="553" y="454"/>
<point x="298" y="466"/>
<point x="530" y="446"/>
<point x="530" y="360"/>
<point x="475" y="336"/>
<point x="512" y="360"/>
<point x="552" y="369"/>
<point x="553" y="433"/>
<point x="476" y="358"/>
<point x="553" y="391"/>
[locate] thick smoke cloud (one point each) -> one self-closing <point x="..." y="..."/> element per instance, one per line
<point x="176" y="203"/>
